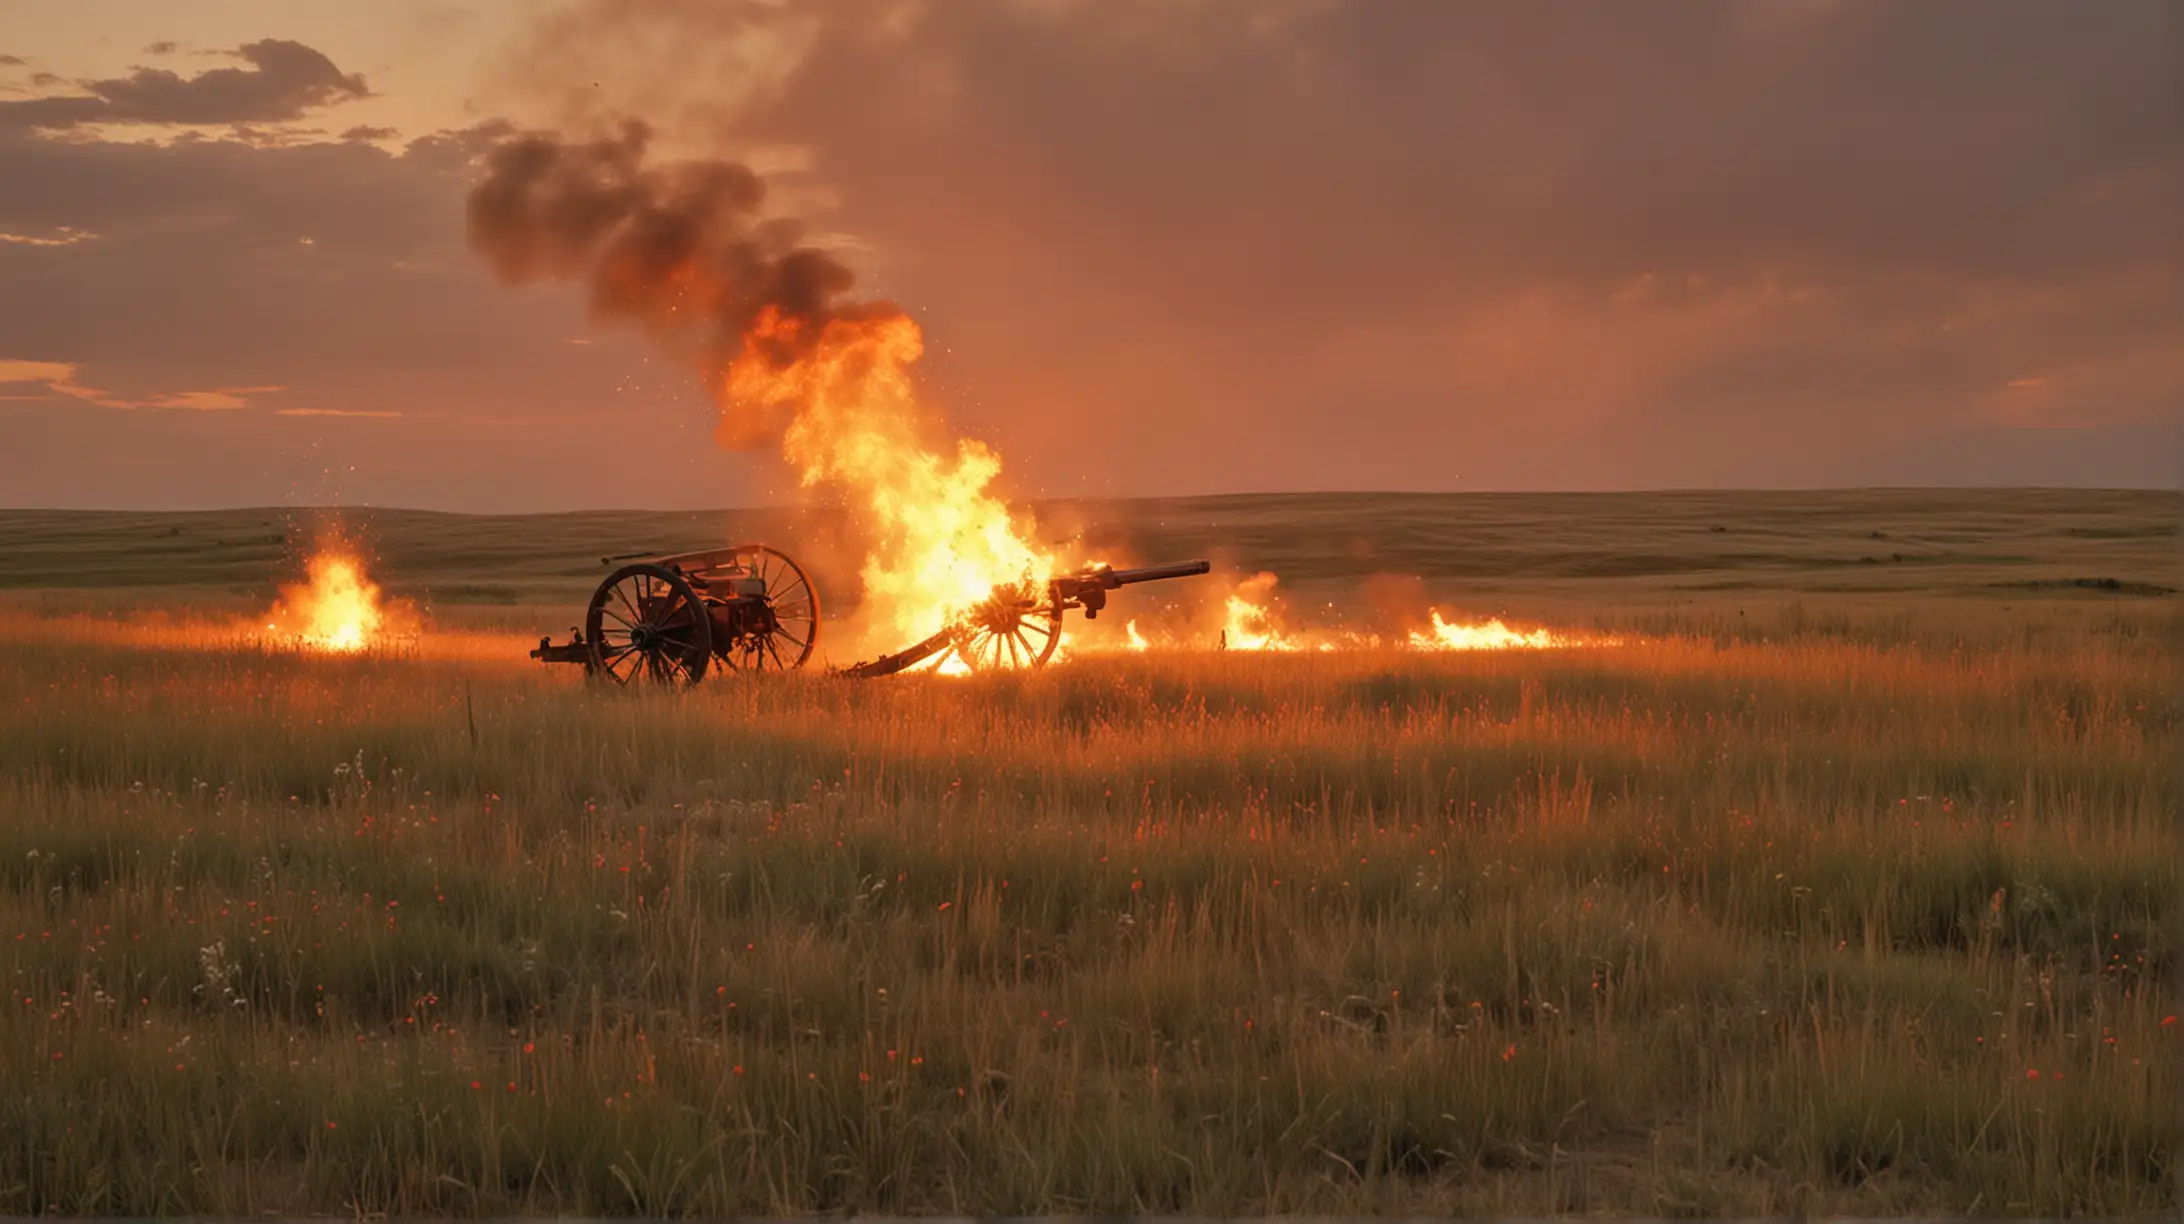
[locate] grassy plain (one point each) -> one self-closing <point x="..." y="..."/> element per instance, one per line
<point x="1846" y="882"/>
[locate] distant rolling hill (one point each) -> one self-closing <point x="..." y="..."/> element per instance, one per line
<point x="2013" y="543"/>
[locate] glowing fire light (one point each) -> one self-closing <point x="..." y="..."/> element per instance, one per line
<point x="1137" y="640"/>
<point x="939" y="538"/>
<point x="1249" y="622"/>
<point x="1253" y="621"/>
<point x="1486" y="635"/>
<point x="336" y="610"/>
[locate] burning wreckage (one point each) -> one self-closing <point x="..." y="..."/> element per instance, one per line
<point x="666" y="619"/>
<point x="689" y="252"/>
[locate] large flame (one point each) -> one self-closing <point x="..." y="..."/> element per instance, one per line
<point x="939" y="538"/>
<point x="337" y="609"/>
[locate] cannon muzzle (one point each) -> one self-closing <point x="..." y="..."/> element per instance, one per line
<point x="1154" y="573"/>
<point x="1088" y="590"/>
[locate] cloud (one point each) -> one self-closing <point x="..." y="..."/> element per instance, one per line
<point x="162" y="47"/>
<point x="59" y="379"/>
<point x="378" y="414"/>
<point x="11" y="61"/>
<point x="13" y="370"/>
<point x="60" y="236"/>
<point x="285" y="79"/>
<point x="222" y="399"/>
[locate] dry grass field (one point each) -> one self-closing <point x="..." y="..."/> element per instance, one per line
<point x="1845" y="881"/>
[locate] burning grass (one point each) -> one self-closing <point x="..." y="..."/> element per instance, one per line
<point x="336" y="610"/>
<point x="1731" y="918"/>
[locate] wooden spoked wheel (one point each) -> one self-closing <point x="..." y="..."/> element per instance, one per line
<point x="647" y="624"/>
<point x="1010" y="630"/>
<point x="779" y="632"/>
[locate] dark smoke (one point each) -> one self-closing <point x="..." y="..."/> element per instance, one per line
<point x="680" y="248"/>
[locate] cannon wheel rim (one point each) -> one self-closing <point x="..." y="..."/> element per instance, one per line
<point x="796" y="609"/>
<point x="1028" y="642"/>
<point x="617" y="625"/>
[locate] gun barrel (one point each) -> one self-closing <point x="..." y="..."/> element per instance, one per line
<point x="1154" y="573"/>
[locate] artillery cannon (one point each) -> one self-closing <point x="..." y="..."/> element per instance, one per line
<point x="1020" y="624"/>
<point x="665" y="620"/>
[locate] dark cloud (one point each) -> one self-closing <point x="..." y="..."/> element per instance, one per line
<point x="285" y="80"/>
<point x="162" y="47"/>
<point x="367" y="132"/>
<point x="11" y="61"/>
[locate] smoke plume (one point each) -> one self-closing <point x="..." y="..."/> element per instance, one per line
<point x="682" y="249"/>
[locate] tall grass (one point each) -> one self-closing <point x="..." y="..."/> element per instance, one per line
<point x="1826" y="915"/>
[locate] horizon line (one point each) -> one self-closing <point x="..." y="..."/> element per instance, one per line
<point x="1664" y="490"/>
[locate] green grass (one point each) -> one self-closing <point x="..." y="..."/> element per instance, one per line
<point x="1801" y="900"/>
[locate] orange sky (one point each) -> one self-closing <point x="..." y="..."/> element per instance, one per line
<point x="1156" y="248"/>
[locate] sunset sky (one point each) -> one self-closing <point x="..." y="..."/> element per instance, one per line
<point x="1156" y="247"/>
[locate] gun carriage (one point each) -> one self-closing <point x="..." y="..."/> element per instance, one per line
<point x="666" y="620"/>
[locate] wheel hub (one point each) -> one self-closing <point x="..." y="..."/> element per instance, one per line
<point x="998" y="615"/>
